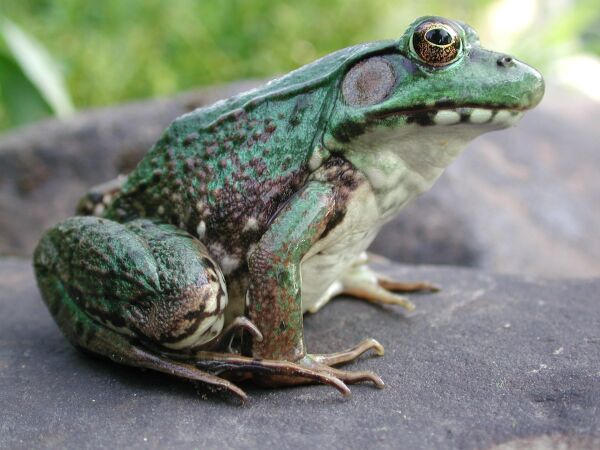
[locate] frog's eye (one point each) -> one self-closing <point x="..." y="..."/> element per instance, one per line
<point x="368" y="82"/>
<point x="436" y="43"/>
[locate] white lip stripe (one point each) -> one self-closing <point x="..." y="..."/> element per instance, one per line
<point x="480" y="115"/>
<point x="445" y="117"/>
<point x="502" y="116"/>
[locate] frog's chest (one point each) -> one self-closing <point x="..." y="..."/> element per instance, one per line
<point x="331" y="256"/>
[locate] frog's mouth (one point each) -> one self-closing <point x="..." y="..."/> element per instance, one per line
<point x="496" y="116"/>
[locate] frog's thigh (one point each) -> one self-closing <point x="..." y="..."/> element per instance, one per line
<point x="153" y="283"/>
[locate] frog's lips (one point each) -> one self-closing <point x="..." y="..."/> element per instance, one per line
<point x="466" y="115"/>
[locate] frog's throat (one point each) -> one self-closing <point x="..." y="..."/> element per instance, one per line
<point x="403" y="161"/>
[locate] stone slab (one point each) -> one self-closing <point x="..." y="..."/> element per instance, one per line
<point x="490" y="362"/>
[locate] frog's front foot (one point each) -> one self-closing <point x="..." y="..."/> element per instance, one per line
<point x="363" y="283"/>
<point x="310" y="369"/>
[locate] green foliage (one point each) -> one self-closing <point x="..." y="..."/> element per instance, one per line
<point x="21" y="101"/>
<point x="30" y="85"/>
<point x="116" y="50"/>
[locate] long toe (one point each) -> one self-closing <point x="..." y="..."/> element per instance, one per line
<point x="348" y="355"/>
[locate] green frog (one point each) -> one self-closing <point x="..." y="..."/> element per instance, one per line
<point x="248" y="213"/>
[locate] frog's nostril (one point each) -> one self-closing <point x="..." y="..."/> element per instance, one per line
<point x="505" y="61"/>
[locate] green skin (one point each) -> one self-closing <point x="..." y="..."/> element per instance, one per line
<point x="248" y="213"/>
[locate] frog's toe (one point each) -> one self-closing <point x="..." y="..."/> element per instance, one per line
<point x="374" y="293"/>
<point x="361" y="282"/>
<point x="332" y="359"/>
<point x="350" y="377"/>
<point x="192" y="373"/>
<point x="272" y="373"/>
<point x="179" y="369"/>
<point x="347" y="376"/>
<point x="403" y="286"/>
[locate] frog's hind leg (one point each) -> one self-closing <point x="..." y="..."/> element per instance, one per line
<point x="135" y="293"/>
<point x="94" y="338"/>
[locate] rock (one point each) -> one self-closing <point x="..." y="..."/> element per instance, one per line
<point x="518" y="201"/>
<point x="491" y="361"/>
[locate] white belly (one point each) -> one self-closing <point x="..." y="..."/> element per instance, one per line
<point x="331" y="256"/>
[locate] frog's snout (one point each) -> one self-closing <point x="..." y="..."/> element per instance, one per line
<point x="537" y="94"/>
<point x="536" y="87"/>
<point x="531" y="80"/>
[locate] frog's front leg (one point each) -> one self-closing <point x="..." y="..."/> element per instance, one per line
<point x="274" y="300"/>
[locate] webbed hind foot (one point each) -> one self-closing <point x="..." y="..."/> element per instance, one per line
<point x="277" y="373"/>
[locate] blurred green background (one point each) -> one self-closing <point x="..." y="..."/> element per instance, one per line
<point x="59" y="56"/>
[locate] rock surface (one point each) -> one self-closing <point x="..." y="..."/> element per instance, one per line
<point x="490" y="362"/>
<point x="522" y="200"/>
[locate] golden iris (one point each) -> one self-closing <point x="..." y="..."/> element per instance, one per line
<point x="437" y="44"/>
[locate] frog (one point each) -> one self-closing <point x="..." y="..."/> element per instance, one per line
<point x="249" y="213"/>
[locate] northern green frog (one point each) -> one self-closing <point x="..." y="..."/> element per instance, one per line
<point x="248" y="213"/>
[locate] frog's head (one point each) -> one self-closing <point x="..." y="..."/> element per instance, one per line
<point x="427" y="94"/>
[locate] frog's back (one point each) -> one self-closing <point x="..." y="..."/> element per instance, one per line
<point x="221" y="172"/>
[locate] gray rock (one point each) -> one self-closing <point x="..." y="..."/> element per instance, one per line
<point x="519" y="201"/>
<point x="491" y="361"/>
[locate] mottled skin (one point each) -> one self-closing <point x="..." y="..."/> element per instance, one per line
<point x="250" y="212"/>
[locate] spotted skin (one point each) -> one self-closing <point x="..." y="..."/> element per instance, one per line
<point x="247" y="213"/>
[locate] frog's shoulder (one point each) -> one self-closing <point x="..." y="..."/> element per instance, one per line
<point x="307" y="78"/>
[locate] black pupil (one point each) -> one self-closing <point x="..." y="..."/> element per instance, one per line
<point x="438" y="36"/>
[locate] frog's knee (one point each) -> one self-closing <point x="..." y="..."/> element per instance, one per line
<point x="154" y="282"/>
<point x="187" y="316"/>
<point x="189" y="307"/>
